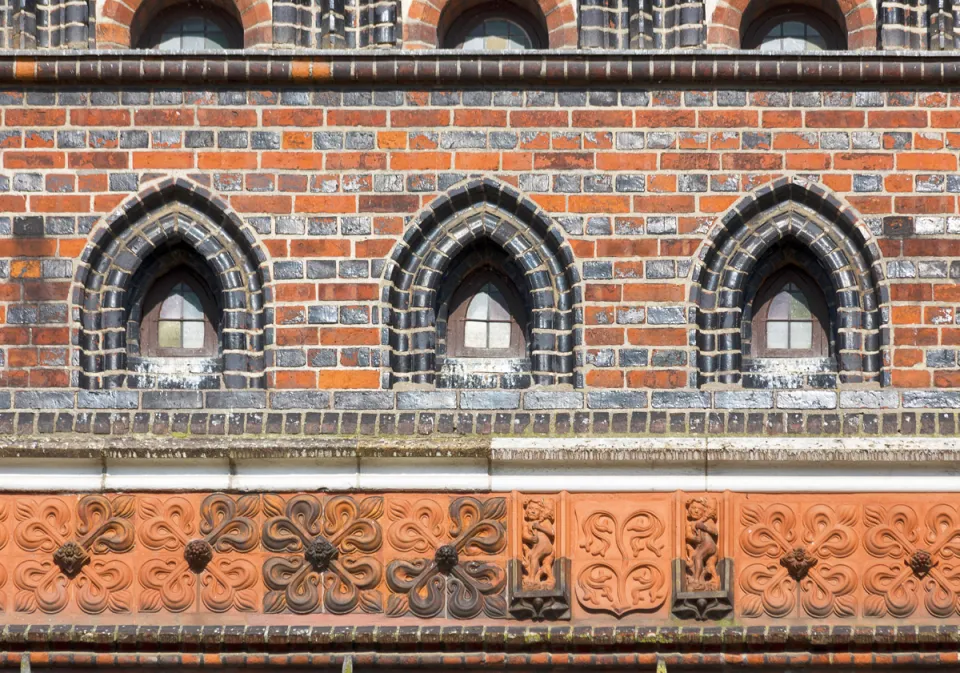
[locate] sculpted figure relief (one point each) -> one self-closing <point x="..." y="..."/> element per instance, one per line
<point x="538" y="537"/>
<point x="700" y="536"/>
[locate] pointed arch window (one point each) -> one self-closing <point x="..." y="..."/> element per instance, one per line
<point x="487" y="319"/>
<point x="178" y="318"/>
<point x="791" y="318"/>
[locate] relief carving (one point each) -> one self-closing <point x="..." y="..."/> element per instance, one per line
<point x="620" y="581"/>
<point x="196" y="564"/>
<point x="537" y="537"/>
<point x="798" y="556"/>
<point x="539" y="581"/>
<point x="329" y="548"/>
<point x="920" y="560"/>
<point x="701" y="581"/>
<point x="700" y="536"/>
<point x="74" y="566"/>
<point x="451" y="577"/>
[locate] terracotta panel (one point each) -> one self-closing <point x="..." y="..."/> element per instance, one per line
<point x="446" y="556"/>
<point x="415" y="558"/>
<point x="621" y="558"/>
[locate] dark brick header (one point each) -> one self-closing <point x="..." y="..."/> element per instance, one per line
<point x="481" y="646"/>
<point x="448" y="68"/>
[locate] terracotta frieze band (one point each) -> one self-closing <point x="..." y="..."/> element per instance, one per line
<point x="453" y="68"/>
<point x="614" y="559"/>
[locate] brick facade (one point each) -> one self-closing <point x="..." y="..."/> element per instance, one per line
<point x="642" y="476"/>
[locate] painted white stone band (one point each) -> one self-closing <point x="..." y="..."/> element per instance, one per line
<point x="618" y="464"/>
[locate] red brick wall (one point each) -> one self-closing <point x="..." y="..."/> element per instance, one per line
<point x="308" y="170"/>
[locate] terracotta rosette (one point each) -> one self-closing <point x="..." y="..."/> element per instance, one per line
<point x="455" y="577"/>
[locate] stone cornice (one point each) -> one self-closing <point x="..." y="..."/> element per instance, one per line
<point x="592" y="450"/>
<point x="432" y="67"/>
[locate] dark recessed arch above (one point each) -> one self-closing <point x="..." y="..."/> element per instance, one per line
<point x="168" y="216"/>
<point x="789" y="213"/>
<point x="481" y="211"/>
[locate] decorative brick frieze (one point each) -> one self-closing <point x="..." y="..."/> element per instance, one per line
<point x="442" y="558"/>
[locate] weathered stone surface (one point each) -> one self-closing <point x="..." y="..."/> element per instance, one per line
<point x="108" y="399"/>
<point x="363" y="400"/>
<point x="545" y="399"/>
<point x="172" y="399"/>
<point x="489" y="399"/>
<point x="424" y="399"/>
<point x="806" y="399"/>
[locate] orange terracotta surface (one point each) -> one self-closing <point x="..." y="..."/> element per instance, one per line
<point x="407" y="558"/>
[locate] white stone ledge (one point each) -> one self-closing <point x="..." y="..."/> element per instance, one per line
<point x="529" y="464"/>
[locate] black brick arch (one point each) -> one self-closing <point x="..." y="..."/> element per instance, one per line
<point x="795" y="213"/>
<point x="170" y="212"/>
<point x="481" y="211"/>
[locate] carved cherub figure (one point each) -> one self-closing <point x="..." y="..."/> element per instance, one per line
<point x="538" y="535"/>
<point x="701" y="534"/>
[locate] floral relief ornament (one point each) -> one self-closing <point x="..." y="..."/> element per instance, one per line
<point x="329" y="549"/>
<point x="799" y="563"/>
<point x="448" y="579"/>
<point x="74" y="565"/>
<point x="921" y="560"/>
<point x="620" y="580"/>
<point x="193" y="563"/>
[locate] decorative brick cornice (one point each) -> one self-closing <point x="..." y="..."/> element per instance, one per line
<point x="515" y="647"/>
<point x="452" y="67"/>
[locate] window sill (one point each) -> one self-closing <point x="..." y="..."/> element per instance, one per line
<point x="789" y="373"/>
<point x="175" y="366"/>
<point x="485" y="373"/>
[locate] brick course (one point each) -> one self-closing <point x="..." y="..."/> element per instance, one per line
<point x="632" y="179"/>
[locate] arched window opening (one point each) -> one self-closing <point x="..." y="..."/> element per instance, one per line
<point x="791" y="319"/>
<point x="485" y="324"/>
<point x="487" y="320"/>
<point x="497" y="26"/>
<point x="178" y="318"/>
<point x="192" y="28"/>
<point x="794" y="28"/>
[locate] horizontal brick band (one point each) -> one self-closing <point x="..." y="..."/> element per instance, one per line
<point x="414" y="646"/>
<point x="448" y="68"/>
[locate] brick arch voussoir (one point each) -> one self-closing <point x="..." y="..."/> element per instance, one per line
<point x="130" y="236"/>
<point x="860" y="16"/>
<point x="528" y="238"/>
<point x="420" y="30"/>
<point x="753" y="228"/>
<point x="820" y="201"/>
<point x="116" y="20"/>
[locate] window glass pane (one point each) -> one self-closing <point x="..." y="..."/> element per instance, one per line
<point x="780" y="306"/>
<point x="169" y="42"/>
<point x="799" y="308"/>
<point x="777" y="335"/>
<point x="801" y="335"/>
<point x="475" y="334"/>
<point x="497" y="34"/>
<point x="479" y="305"/>
<point x="793" y="34"/>
<point x="194" y="32"/>
<point x="498" y="306"/>
<point x="193" y="334"/>
<point x="500" y="335"/>
<point x="172" y="307"/>
<point x="191" y="305"/>
<point x="169" y="334"/>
